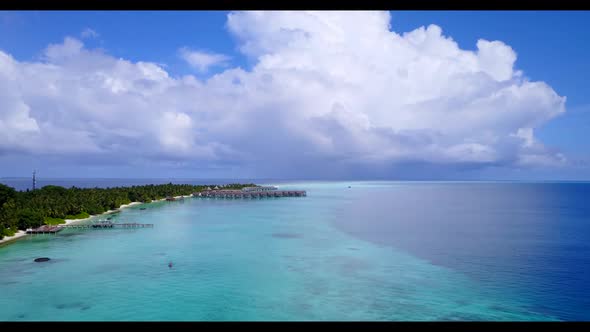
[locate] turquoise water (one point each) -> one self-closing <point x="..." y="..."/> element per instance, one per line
<point x="297" y="258"/>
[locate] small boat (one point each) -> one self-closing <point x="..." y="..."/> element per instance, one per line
<point x="142" y="208"/>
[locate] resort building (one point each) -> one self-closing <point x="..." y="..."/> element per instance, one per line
<point x="250" y="194"/>
<point x="259" y="189"/>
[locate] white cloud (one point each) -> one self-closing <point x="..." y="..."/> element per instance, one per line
<point x="88" y="33"/>
<point x="201" y="60"/>
<point x="326" y="94"/>
<point x="70" y="48"/>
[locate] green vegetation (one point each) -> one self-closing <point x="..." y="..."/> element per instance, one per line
<point x="81" y="215"/>
<point x="28" y="218"/>
<point x="6" y="232"/>
<point x="54" y="221"/>
<point x="52" y="204"/>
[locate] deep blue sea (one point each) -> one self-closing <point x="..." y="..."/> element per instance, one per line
<point x="380" y="250"/>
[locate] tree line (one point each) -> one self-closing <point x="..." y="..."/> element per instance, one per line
<point x="20" y="210"/>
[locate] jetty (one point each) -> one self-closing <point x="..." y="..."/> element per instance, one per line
<point x="45" y="229"/>
<point x="250" y="192"/>
<point x="110" y="225"/>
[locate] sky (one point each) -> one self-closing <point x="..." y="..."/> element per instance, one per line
<point x="402" y="95"/>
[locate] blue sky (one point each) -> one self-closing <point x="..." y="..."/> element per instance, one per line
<point x="550" y="47"/>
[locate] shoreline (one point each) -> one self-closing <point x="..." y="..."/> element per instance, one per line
<point x="75" y="221"/>
<point x="16" y="236"/>
<point x="21" y="234"/>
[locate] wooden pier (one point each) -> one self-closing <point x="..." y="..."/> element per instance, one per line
<point x="250" y="194"/>
<point x="45" y="229"/>
<point x="110" y="225"/>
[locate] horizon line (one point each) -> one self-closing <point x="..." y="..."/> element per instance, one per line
<point x="292" y="179"/>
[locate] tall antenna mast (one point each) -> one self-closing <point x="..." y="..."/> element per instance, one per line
<point x="34" y="179"/>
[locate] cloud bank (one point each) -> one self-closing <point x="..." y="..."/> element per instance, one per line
<point x="326" y="96"/>
<point x="201" y="60"/>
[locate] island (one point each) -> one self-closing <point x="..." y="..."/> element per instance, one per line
<point x="54" y="205"/>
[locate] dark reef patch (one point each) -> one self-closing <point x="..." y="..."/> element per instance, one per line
<point x="72" y="305"/>
<point x="287" y="235"/>
<point x="462" y="302"/>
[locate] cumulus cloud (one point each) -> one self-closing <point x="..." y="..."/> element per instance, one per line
<point x="88" y="33"/>
<point x="201" y="60"/>
<point x="326" y="94"/>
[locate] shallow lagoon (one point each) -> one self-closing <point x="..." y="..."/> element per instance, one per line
<point x="375" y="251"/>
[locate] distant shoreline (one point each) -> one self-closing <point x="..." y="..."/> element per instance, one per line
<point x="22" y="234"/>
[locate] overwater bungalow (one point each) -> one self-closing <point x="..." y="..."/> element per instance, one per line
<point x="259" y="189"/>
<point x="250" y="193"/>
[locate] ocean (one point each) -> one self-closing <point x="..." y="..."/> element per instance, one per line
<point x="356" y="250"/>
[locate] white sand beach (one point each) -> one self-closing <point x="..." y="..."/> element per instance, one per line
<point x="16" y="236"/>
<point x="175" y="197"/>
<point x="21" y="234"/>
<point x="74" y="221"/>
